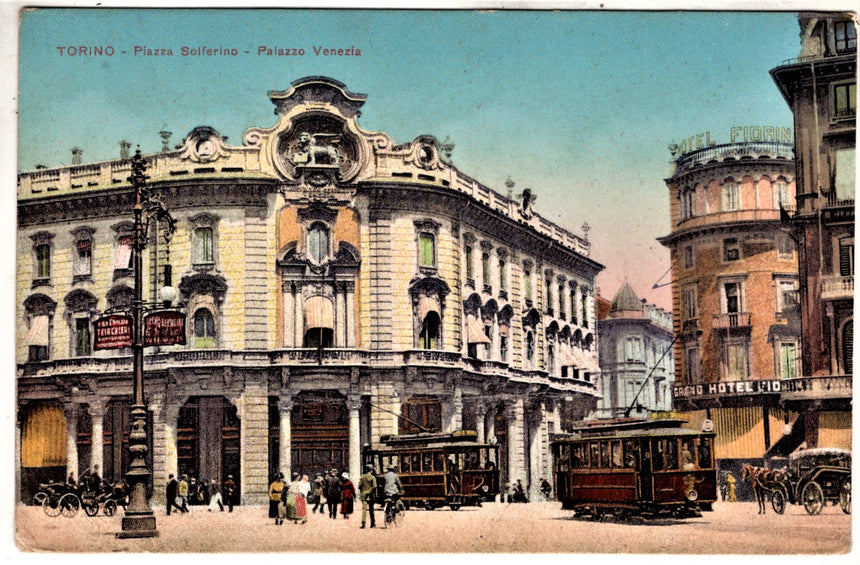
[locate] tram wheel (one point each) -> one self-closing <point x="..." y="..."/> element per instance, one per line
<point x="70" y="504"/>
<point x="813" y="498"/>
<point x="110" y="508"/>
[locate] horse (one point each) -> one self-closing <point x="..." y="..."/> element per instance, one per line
<point x="762" y="481"/>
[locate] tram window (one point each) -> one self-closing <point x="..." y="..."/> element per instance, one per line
<point x="563" y="457"/>
<point x="629" y="454"/>
<point x="604" y="454"/>
<point x="617" y="459"/>
<point x="594" y="460"/>
<point x="704" y="453"/>
<point x="688" y="450"/>
<point x="658" y="453"/>
<point x="671" y="454"/>
<point x="405" y="463"/>
<point x="578" y="456"/>
<point x="438" y="461"/>
<point x="472" y="460"/>
<point x="416" y="462"/>
<point x="427" y="466"/>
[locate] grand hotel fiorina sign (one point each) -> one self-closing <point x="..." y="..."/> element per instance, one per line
<point x="159" y="328"/>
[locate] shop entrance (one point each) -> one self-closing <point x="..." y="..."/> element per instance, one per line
<point x="207" y="440"/>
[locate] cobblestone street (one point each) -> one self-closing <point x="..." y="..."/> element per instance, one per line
<point x="494" y="528"/>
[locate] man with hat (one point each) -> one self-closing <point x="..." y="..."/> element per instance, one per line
<point x="332" y="493"/>
<point x="367" y="491"/>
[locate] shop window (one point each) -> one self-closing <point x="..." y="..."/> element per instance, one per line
<point x="204" y="329"/>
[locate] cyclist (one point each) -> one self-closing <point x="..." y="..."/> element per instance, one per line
<point x="392" y="489"/>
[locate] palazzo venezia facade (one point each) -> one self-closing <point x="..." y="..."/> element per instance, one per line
<point x="337" y="288"/>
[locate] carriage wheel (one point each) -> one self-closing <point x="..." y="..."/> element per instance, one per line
<point x="813" y="498"/>
<point x="91" y="509"/>
<point x="110" y="508"/>
<point x="39" y="498"/>
<point x="777" y="500"/>
<point x="845" y="496"/>
<point x="70" y="504"/>
<point x="51" y="506"/>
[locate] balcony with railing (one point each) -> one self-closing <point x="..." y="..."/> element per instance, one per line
<point x="734" y="152"/>
<point x="817" y="388"/>
<point x="837" y="287"/>
<point x="731" y="320"/>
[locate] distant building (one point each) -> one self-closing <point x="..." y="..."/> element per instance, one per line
<point x="637" y="366"/>
<point x="821" y="88"/>
<point x="734" y="289"/>
<point x="337" y="287"/>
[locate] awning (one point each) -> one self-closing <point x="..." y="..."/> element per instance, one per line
<point x="123" y="254"/>
<point x="475" y="331"/>
<point x="785" y="445"/>
<point x="38" y="332"/>
<point x="319" y="313"/>
<point x="427" y="304"/>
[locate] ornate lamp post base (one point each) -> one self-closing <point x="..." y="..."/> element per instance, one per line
<point x="138" y="526"/>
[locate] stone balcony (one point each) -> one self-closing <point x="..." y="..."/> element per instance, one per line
<point x="817" y="388"/>
<point x="837" y="288"/>
<point x="732" y="320"/>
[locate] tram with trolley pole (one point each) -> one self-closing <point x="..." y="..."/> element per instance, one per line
<point x="438" y="469"/>
<point x="635" y="468"/>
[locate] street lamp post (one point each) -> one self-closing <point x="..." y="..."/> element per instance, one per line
<point x="139" y="520"/>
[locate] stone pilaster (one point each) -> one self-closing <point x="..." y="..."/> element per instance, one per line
<point x="97" y="453"/>
<point x="70" y="411"/>
<point x="253" y="410"/>
<point x="353" y="403"/>
<point x="165" y="460"/>
<point x="516" y="440"/>
<point x="285" y="411"/>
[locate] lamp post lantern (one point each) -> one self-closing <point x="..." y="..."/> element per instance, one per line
<point x="139" y="520"/>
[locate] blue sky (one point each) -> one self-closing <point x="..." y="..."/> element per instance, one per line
<point x="579" y="106"/>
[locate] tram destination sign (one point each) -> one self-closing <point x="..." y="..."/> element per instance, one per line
<point x="164" y="328"/>
<point x="112" y="332"/>
<point x="731" y="388"/>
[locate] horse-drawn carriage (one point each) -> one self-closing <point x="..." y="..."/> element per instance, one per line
<point x="814" y="477"/>
<point x="811" y="477"/>
<point x="66" y="499"/>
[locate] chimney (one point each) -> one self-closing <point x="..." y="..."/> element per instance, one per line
<point x="77" y="152"/>
<point x="124" y="149"/>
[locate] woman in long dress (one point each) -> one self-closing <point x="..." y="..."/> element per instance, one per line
<point x="296" y="507"/>
<point x="347" y="496"/>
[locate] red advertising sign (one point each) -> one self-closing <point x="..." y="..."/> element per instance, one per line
<point x="164" y="328"/>
<point x="112" y="332"/>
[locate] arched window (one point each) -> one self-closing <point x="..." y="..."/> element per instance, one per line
<point x="428" y="338"/>
<point x="204" y="329"/>
<point x="318" y="242"/>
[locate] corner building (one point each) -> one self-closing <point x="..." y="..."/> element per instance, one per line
<point x="820" y="87"/>
<point x="734" y="292"/>
<point x="337" y="287"/>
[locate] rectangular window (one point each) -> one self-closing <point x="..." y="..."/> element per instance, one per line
<point x="732" y="294"/>
<point x="846" y="257"/>
<point x="691" y="364"/>
<point x="845" y="100"/>
<point x="691" y="300"/>
<point x="485" y="268"/>
<point x="688" y="257"/>
<point x="469" y="273"/>
<point x="736" y="361"/>
<point x="562" y="311"/>
<point x="123" y="253"/>
<point x="784" y="246"/>
<point x="527" y="283"/>
<point x="43" y="261"/>
<point x="845" y="175"/>
<point x="205" y="252"/>
<point x="731" y="249"/>
<point x="82" y="337"/>
<point x="549" y="306"/>
<point x="633" y="349"/>
<point x="846" y="36"/>
<point x="782" y="195"/>
<point x="84" y="259"/>
<point x="573" y="309"/>
<point x="730" y="196"/>
<point x="687" y="199"/>
<point x="427" y="244"/>
<point x="585" y="308"/>
<point x="788" y="360"/>
<point x="503" y="275"/>
<point x="786" y="294"/>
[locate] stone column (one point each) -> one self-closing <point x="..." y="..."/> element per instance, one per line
<point x="454" y="416"/>
<point x="70" y="411"/>
<point x="537" y="425"/>
<point x="97" y="452"/>
<point x="353" y="403"/>
<point x="480" y="415"/>
<point x="516" y="448"/>
<point x="285" y="454"/>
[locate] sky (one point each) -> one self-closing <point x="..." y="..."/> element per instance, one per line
<point x="579" y="106"/>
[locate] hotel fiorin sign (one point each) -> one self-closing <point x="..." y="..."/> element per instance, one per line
<point x="112" y="332"/>
<point x="731" y="388"/>
<point x="164" y="328"/>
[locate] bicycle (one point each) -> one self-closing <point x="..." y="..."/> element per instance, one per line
<point x="394" y="511"/>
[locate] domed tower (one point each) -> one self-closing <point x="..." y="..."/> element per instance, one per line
<point x="636" y="363"/>
<point x="734" y="291"/>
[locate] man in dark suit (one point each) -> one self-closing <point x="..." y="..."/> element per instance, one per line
<point x="230" y="492"/>
<point x="332" y="493"/>
<point x="172" y="492"/>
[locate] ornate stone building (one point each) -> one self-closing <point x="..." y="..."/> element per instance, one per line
<point x="734" y="293"/>
<point x="337" y="287"/>
<point x="821" y="88"/>
<point x="637" y="367"/>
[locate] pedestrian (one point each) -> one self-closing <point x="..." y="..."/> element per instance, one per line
<point x="545" y="488"/>
<point x="367" y="490"/>
<point x="730" y="479"/>
<point x="172" y="492"/>
<point x="71" y="481"/>
<point x="95" y="480"/>
<point x="724" y="487"/>
<point x="305" y="487"/>
<point x="275" y="491"/>
<point x="215" y="499"/>
<point x="229" y="492"/>
<point x="347" y="496"/>
<point x="332" y="493"/>
<point x="296" y="507"/>
<point x="183" y="492"/>
<point x="318" y="494"/>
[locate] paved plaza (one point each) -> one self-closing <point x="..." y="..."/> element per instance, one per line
<point x="494" y="528"/>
